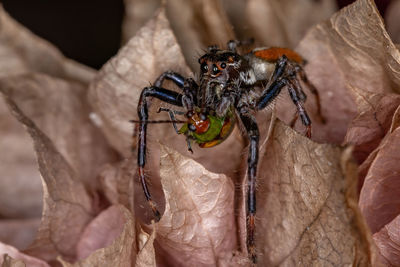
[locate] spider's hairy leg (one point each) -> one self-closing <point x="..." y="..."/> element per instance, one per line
<point x="187" y="85"/>
<point x="313" y="90"/>
<point x="170" y="75"/>
<point x="271" y="93"/>
<point x="285" y="74"/>
<point x="251" y="127"/>
<point x="276" y="84"/>
<point x="300" y="108"/>
<point x="164" y="95"/>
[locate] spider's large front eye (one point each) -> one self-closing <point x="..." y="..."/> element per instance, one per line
<point x="215" y="69"/>
<point x="223" y="65"/>
<point x="204" y="67"/>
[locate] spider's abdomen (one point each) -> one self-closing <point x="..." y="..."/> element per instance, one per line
<point x="272" y="54"/>
<point x="262" y="61"/>
<point x="211" y="131"/>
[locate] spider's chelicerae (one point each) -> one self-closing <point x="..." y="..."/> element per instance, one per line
<point x="231" y="88"/>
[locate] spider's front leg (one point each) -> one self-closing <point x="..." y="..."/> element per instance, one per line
<point x="251" y="127"/>
<point x="164" y="95"/>
<point x="188" y="86"/>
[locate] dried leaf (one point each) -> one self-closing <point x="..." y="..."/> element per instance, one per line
<point x="10" y="262"/>
<point x="11" y="257"/>
<point x="196" y="24"/>
<point x="395" y="120"/>
<point x="18" y="233"/>
<point x="109" y="240"/>
<point x="379" y="201"/>
<point x="284" y="23"/>
<point x="59" y="109"/>
<point x="351" y="50"/>
<point x="386" y="238"/>
<point x="388" y="242"/>
<point x="375" y="112"/>
<point x="301" y="203"/>
<point x="117" y="184"/>
<point x="146" y="256"/>
<point x="18" y="170"/>
<point x="21" y="52"/>
<point x="198" y="226"/>
<point x="67" y="207"/>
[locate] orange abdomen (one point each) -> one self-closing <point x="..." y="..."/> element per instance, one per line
<point x="272" y="54"/>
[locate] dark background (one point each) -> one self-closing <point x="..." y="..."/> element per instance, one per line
<point x="86" y="34"/>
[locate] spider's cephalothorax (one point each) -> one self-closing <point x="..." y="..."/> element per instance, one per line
<point x="230" y="89"/>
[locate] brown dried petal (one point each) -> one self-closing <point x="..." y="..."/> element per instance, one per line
<point x="60" y="110"/>
<point x="101" y="231"/>
<point x="375" y="112"/>
<point x="196" y="24"/>
<point x="67" y="205"/>
<point x="116" y="182"/>
<point x="284" y="22"/>
<point x="10" y="262"/>
<point x="17" y="259"/>
<point x="109" y="240"/>
<point x="302" y="208"/>
<point x="146" y="256"/>
<point x="388" y="242"/>
<point x="379" y="201"/>
<point x="198" y="226"/>
<point x="395" y="120"/>
<point x="22" y="52"/>
<point x="18" y="170"/>
<point x="18" y="233"/>
<point x="364" y="167"/>
<point x="351" y="50"/>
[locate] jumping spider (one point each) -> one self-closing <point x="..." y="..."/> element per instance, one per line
<point x="230" y="89"/>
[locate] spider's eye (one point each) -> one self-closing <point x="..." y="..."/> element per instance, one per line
<point x="223" y="65"/>
<point x="191" y="127"/>
<point x="215" y="69"/>
<point x="204" y="67"/>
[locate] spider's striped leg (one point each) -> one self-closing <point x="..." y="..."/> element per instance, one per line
<point x="313" y="90"/>
<point x="300" y="108"/>
<point x="269" y="95"/>
<point x="178" y="79"/>
<point x="187" y="85"/>
<point x="300" y="93"/>
<point x="251" y="127"/>
<point x="164" y="95"/>
<point x="296" y="94"/>
<point x="277" y="82"/>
